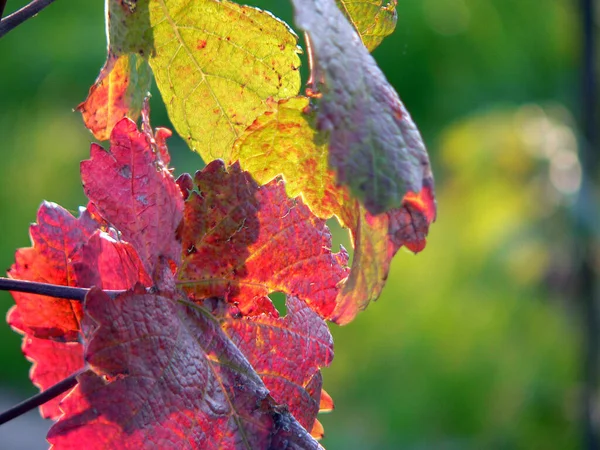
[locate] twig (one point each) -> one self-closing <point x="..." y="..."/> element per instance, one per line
<point x="41" y="398"/>
<point x="51" y="290"/>
<point x="2" y="6"/>
<point x="20" y="16"/>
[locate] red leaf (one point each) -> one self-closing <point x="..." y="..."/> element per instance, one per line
<point x="242" y="241"/>
<point x="109" y="264"/>
<point x="63" y="253"/>
<point x="283" y="143"/>
<point x="179" y="381"/>
<point x="287" y="353"/>
<point x="52" y="362"/>
<point x="409" y="225"/>
<point x="134" y="191"/>
<point x="56" y="237"/>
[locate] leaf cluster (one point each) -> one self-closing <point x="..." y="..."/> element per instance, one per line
<point x="175" y="340"/>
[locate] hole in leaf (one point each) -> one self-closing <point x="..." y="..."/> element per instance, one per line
<point x="340" y="236"/>
<point x="278" y="299"/>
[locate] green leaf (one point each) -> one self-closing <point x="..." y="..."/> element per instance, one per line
<point x="128" y="27"/>
<point x="373" y="19"/>
<point x="216" y="64"/>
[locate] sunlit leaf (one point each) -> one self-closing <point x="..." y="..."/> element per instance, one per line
<point x="372" y="19"/>
<point x="374" y="146"/>
<point x="287" y="353"/>
<point x="133" y="189"/>
<point x="64" y="252"/>
<point x="56" y="237"/>
<point x="242" y="241"/>
<point x="216" y="63"/>
<point x="119" y="91"/>
<point x="180" y="383"/>
<point x="377" y="239"/>
<point x="283" y="142"/>
<point x="125" y="79"/>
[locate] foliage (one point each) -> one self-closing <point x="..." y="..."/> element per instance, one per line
<point x="191" y="331"/>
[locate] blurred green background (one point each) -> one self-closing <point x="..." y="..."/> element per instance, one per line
<point x="475" y="343"/>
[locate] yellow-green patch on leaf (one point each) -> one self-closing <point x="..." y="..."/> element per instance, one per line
<point x="372" y="19"/>
<point x="282" y="142"/>
<point x="216" y="64"/>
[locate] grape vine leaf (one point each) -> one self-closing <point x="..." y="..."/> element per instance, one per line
<point x="374" y="146"/>
<point x="96" y="263"/>
<point x="179" y="380"/>
<point x="115" y="338"/>
<point x="56" y="237"/>
<point x="290" y="371"/>
<point x="242" y="241"/>
<point x="372" y="19"/>
<point x="377" y="239"/>
<point x="66" y="251"/>
<point x="126" y="77"/>
<point x="52" y="362"/>
<point x="216" y="63"/>
<point x="282" y="141"/>
<point x="133" y="189"/>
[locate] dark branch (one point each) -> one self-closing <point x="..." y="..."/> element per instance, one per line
<point x="2" y="6"/>
<point x="51" y="290"/>
<point x="20" y="16"/>
<point x="41" y="398"/>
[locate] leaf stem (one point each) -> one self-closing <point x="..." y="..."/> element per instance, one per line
<point x="18" y="17"/>
<point x="41" y="398"/>
<point x="51" y="290"/>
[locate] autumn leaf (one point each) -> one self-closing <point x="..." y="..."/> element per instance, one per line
<point x="287" y="353"/>
<point x="96" y="264"/>
<point x="372" y="19"/>
<point x="66" y="251"/>
<point x="177" y="343"/>
<point x="125" y="79"/>
<point x="374" y="146"/>
<point x="85" y="251"/>
<point x="180" y="383"/>
<point x="377" y="239"/>
<point x="52" y="362"/>
<point x="283" y="142"/>
<point x="277" y="235"/>
<point x="216" y="63"/>
<point x="242" y="241"/>
<point x="56" y="237"/>
<point x="132" y="188"/>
